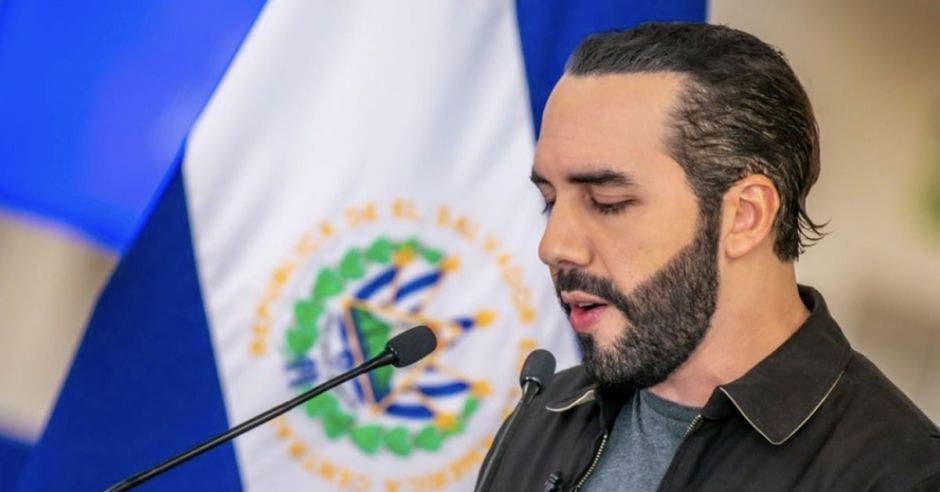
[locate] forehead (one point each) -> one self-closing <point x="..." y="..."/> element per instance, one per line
<point x="607" y="120"/>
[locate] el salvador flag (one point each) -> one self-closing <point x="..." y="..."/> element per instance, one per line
<point x="361" y="168"/>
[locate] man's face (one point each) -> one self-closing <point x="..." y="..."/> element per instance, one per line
<point x="633" y="260"/>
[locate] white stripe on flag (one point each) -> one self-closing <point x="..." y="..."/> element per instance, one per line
<point x="358" y="139"/>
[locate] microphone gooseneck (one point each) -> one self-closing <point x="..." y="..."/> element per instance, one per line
<point x="404" y="349"/>
<point x="537" y="373"/>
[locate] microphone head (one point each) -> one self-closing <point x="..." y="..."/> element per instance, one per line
<point x="412" y="345"/>
<point x="539" y="367"/>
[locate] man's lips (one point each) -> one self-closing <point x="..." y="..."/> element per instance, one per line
<point x="583" y="309"/>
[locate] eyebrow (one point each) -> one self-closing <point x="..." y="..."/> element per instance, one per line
<point x="602" y="177"/>
<point x="537" y="178"/>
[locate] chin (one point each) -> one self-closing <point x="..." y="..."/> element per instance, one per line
<point x="606" y="338"/>
<point x="604" y="346"/>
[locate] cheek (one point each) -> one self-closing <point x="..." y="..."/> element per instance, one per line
<point x="644" y="240"/>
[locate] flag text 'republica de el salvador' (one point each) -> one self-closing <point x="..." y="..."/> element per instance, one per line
<point x="362" y="168"/>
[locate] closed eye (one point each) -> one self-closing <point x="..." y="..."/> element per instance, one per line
<point x="611" y="208"/>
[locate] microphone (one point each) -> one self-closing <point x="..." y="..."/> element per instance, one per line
<point x="537" y="373"/>
<point x="538" y="370"/>
<point x="410" y="346"/>
<point x="404" y="349"/>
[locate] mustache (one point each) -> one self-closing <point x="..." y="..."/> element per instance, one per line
<point x="568" y="280"/>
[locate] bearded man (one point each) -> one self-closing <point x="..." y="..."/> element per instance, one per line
<point x="675" y="161"/>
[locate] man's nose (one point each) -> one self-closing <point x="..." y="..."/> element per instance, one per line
<point x="564" y="243"/>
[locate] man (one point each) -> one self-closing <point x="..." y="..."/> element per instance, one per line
<point x="675" y="161"/>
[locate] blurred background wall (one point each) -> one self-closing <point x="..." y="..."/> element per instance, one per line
<point x="872" y="72"/>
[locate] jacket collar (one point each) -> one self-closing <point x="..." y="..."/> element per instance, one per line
<point x="778" y="395"/>
<point x="581" y="390"/>
<point x="585" y="391"/>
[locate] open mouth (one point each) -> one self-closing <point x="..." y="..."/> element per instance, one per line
<point x="583" y="310"/>
<point x="584" y="306"/>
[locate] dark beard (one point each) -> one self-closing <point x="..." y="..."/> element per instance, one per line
<point x="669" y="314"/>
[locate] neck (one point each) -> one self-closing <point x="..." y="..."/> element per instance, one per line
<point x="757" y="310"/>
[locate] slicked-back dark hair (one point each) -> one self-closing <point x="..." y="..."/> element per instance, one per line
<point x="741" y="111"/>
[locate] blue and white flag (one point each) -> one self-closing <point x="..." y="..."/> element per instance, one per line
<point x="362" y="168"/>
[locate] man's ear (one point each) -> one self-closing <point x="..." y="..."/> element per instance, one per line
<point x="750" y="207"/>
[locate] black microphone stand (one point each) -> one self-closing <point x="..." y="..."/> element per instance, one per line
<point x="385" y="358"/>
<point x="529" y="390"/>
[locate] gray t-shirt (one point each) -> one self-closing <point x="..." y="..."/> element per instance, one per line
<point x="641" y="445"/>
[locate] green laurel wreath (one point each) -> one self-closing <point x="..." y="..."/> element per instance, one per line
<point x="329" y="283"/>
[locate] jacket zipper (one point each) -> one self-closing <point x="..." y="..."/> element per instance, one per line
<point x="692" y="426"/>
<point x="594" y="462"/>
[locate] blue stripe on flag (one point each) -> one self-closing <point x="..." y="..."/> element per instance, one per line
<point x="550" y="30"/>
<point x="143" y="385"/>
<point x="13" y="456"/>
<point x="96" y="98"/>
